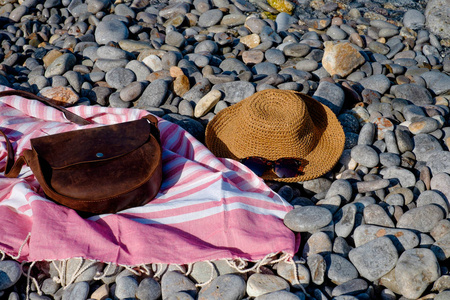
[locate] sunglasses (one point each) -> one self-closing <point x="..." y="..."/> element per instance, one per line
<point x="283" y="167"/>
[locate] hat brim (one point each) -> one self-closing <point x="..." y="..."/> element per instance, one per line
<point x="319" y="161"/>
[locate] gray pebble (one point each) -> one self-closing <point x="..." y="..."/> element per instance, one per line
<point x="80" y="291"/>
<point x="296" y="50"/>
<point x="404" y="176"/>
<point x="279" y="295"/>
<point x="341" y="188"/>
<point x="265" y="68"/>
<point x="10" y="273"/>
<point x="106" y="65"/>
<point x="339" y="269"/>
<point x="227" y="286"/>
<point x="433" y="197"/>
<point x="414" y="93"/>
<point x="154" y="94"/>
<point x="423" y="218"/>
<point x="308" y="218"/>
<point x="330" y="95"/>
<point x="390" y="159"/>
<point x="260" y="284"/>
<point x="140" y="69"/>
<point x="414" y="19"/>
<point x="336" y="33"/>
<point x="351" y="287"/>
<point x="115" y="101"/>
<point x="275" y="56"/>
<point x="375" y="258"/>
<point x="210" y="18"/>
<point x="437" y="82"/>
<point x="412" y="265"/>
<point x="379" y="83"/>
<point x="375" y="215"/>
<point x="148" y="289"/>
<point x="61" y="65"/>
<point x="118" y="78"/>
<point x="425" y="145"/>
<point x="110" y="31"/>
<point x="365" y="155"/>
<point x="344" y="220"/>
<point x="235" y="91"/>
<point x="173" y="282"/>
<point x="132" y="91"/>
<point x="403" y="239"/>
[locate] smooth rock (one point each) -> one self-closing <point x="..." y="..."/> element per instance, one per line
<point x="351" y="287"/>
<point x="379" y="83"/>
<point x="60" y="95"/>
<point x="317" y="266"/>
<point x="317" y="243"/>
<point x="341" y="188"/>
<point x="111" y="30"/>
<point x="339" y="269"/>
<point x="330" y="95"/>
<point x="260" y="284"/>
<point x="403" y="239"/>
<point x="227" y="286"/>
<point x="308" y="218"/>
<point x="415" y="270"/>
<point x="154" y="94"/>
<point x="173" y="282"/>
<point x="235" y="91"/>
<point x="118" y="78"/>
<point x="423" y="218"/>
<point x="404" y="176"/>
<point x="375" y="258"/>
<point x="61" y="65"/>
<point x="365" y="155"/>
<point x="344" y="220"/>
<point x="10" y="272"/>
<point x="414" y="93"/>
<point x="206" y="103"/>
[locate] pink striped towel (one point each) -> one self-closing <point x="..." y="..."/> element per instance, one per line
<point x="207" y="209"/>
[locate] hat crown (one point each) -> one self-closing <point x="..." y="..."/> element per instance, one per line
<point x="274" y="124"/>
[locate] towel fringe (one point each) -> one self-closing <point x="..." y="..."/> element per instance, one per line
<point x="3" y="255"/>
<point x="19" y="253"/>
<point x="101" y="275"/>
<point x="33" y="280"/>
<point x="211" y="277"/>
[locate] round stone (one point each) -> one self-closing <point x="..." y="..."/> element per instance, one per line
<point x="375" y="258"/>
<point x="423" y="218"/>
<point x="227" y="286"/>
<point x="10" y="273"/>
<point x="365" y="155"/>
<point x="260" y="284"/>
<point x="118" y="78"/>
<point x="339" y="269"/>
<point x="415" y="270"/>
<point x="111" y="30"/>
<point x="308" y="218"/>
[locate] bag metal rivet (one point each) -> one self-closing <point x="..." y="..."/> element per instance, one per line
<point x="99" y="154"/>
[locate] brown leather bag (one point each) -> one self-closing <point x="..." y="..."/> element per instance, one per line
<point x="97" y="170"/>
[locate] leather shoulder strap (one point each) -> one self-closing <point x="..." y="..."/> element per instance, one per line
<point x="68" y="114"/>
<point x="12" y="168"/>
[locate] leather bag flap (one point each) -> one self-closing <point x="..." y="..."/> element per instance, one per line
<point x="93" y="144"/>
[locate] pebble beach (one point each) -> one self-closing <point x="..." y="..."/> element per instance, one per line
<point x="375" y="227"/>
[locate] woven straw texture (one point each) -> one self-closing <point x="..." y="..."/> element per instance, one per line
<point x="275" y="124"/>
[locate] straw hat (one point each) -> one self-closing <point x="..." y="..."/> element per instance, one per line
<point x="277" y="123"/>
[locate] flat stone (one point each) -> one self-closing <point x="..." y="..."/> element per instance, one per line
<point x="227" y="286"/>
<point x="436" y="13"/>
<point x="425" y="145"/>
<point x="296" y="50"/>
<point x="423" y="218"/>
<point x="308" y="218"/>
<point x="61" y="65"/>
<point x="351" y="287"/>
<point x="414" y="93"/>
<point x="251" y="40"/>
<point x="260" y="284"/>
<point x="173" y="282"/>
<point x="341" y="188"/>
<point x="441" y="248"/>
<point x="437" y="82"/>
<point x="118" y="78"/>
<point x="375" y="258"/>
<point x="154" y="94"/>
<point x="330" y="95"/>
<point x="199" y="90"/>
<point x="433" y="197"/>
<point x="317" y="243"/>
<point x="111" y="30"/>
<point x="344" y="220"/>
<point x="296" y="278"/>
<point x="210" y="18"/>
<point x="365" y="155"/>
<point x="376" y="215"/>
<point x="404" y="176"/>
<point x="317" y="266"/>
<point x="415" y="270"/>
<point x="235" y="91"/>
<point x="79" y="291"/>
<point x="341" y="58"/>
<point x="379" y="83"/>
<point x="339" y="269"/>
<point x="280" y="295"/>
<point x="10" y="272"/>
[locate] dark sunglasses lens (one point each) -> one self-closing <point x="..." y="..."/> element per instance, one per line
<point x="287" y="167"/>
<point x="256" y="164"/>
